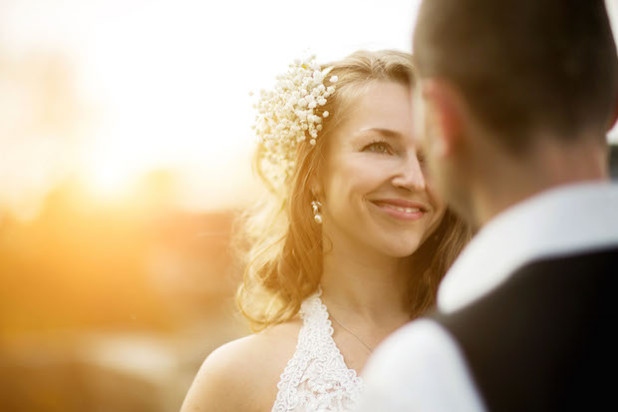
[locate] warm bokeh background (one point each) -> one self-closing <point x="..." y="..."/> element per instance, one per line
<point x="124" y="161"/>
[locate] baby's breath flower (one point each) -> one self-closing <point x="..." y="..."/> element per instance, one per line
<point x="288" y="115"/>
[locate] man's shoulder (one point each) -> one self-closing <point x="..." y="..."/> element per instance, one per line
<point x="544" y="285"/>
<point x="551" y="319"/>
<point x="546" y="303"/>
<point x="412" y="369"/>
<point x="422" y="333"/>
<point x="409" y="350"/>
<point x="423" y="343"/>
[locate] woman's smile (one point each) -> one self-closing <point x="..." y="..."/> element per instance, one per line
<point x="401" y="209"/>
<point x="374" y="193"/>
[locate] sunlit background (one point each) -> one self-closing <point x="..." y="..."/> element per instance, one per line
<point x="124" y="158"/>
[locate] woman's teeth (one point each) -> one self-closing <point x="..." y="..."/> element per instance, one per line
<point x="404" y="209"/>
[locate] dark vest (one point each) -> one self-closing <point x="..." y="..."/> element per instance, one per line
<point x="547" y="338"/>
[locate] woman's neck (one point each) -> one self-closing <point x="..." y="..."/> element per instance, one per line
<point x="368" y="287"/>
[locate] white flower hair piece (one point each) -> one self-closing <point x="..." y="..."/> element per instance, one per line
<point x="290" y="114"/>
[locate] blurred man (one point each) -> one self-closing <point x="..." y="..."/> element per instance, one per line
<point x="514" y="103"/>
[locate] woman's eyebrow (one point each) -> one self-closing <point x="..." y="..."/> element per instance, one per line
<point x="384" y="132"/>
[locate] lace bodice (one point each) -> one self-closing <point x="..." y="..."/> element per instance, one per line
<point x="317" y="378"/>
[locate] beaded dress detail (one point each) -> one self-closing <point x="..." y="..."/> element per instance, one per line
<point x="317" y="378"/>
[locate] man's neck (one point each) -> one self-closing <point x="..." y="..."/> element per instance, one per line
<point x="548" y="164"/>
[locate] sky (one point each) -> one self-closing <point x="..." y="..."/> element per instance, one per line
<point x="165" y="84"/>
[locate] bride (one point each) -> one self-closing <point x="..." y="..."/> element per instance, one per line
<point x="350" y="244"/>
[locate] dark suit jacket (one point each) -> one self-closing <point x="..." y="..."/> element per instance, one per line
<point x="547" y="338"/>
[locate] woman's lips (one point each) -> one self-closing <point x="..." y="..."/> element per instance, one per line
<point x="401" y="209"/>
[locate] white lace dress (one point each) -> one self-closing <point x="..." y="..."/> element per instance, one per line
<point x="317" y="378"/>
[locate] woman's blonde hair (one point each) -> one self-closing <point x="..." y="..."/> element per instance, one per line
<point x="283" y="253"/>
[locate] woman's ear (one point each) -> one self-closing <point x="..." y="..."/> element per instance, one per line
<point x="317" y="191"/>
<point x="444" y="116"/>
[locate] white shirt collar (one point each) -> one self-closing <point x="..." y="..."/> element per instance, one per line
<point x="556" y="222"/>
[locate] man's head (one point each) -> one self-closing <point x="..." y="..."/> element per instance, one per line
<point x="504" y="74"/>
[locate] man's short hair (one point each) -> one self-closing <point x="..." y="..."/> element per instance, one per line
<point x="524" y="65"/>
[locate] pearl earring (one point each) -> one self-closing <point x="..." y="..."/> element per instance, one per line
<point x="315" y="205"/>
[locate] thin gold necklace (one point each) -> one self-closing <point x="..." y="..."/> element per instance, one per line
<point x="369" y="348"/>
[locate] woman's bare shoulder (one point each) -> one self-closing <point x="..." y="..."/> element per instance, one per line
<point x="242" y="375"/>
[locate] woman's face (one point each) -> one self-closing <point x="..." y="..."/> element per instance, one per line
<point x="374" y="195"/>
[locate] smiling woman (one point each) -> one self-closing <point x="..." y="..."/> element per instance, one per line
<point x="349" y="231"/>
<point x="373" y="182"/>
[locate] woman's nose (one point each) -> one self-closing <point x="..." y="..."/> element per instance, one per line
<point x="410" y="174"/>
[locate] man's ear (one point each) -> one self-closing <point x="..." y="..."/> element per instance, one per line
<point x="445" y="112"/>
<point x="614" y="122"/>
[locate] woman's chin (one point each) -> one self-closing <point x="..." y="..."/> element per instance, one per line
<point x="400" y="249"/>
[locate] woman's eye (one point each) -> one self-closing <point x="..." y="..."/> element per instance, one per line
<point x="378" y="147"/>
